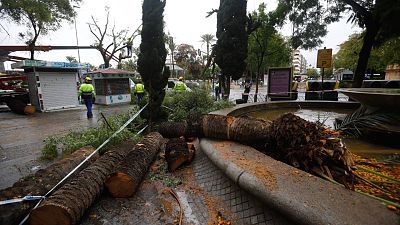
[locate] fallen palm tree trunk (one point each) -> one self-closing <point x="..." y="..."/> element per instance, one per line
<point x="302" y="144"/>
<point x="178" y="152"/>
<point x="38" y="184"/>
<point x="124" y="182"/>
<point x="241" y="129"/>
<point x="68" y="204"/>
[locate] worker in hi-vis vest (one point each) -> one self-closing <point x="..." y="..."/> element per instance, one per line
<point x="180" y="86"/>
<point x="87" y="95"/>
<point x="139" y="91"/>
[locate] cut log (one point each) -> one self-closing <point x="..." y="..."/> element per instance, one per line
<point x="39" y="184"/>
<point x="241" y="129"/>
<point x="68" y="204"/>
<point x="177" y="153"/>
<point x="124" y="182"/>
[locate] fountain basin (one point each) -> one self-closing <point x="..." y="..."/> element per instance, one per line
<point x="383" y="98"/>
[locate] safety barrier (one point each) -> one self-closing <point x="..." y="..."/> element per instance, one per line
<point x="328" y="95"/>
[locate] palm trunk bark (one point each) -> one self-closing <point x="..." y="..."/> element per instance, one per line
<point x="124" y="182"/>
<point x="68" y="204"/>
<point x="39" y="184"/>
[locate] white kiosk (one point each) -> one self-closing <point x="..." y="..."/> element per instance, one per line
<point x="52" y="85"/>
<point x="111" y="86"/>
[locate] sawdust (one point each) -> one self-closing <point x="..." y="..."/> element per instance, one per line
<point x="253" y="166"/>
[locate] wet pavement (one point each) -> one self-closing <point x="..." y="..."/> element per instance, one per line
<point x="21" y="137"/>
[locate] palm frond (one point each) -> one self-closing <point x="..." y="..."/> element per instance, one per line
<point x="361" y="120"/>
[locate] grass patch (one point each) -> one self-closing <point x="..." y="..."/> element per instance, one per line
<point x="159" y="172"/>
<point x="68" y="143"/>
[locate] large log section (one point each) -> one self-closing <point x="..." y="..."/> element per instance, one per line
<point x="68" y="204"/>
<point x="241" y="129"/>
<point x="300" y="143"/>
<point x="124" y="182"/>
<point x="38" y="184"/>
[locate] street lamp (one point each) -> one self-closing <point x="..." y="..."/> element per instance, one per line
<point x="76" y="35"/>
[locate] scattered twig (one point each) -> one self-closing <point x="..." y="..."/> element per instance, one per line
<point x="105" y="119"/>
<point x="372" y="184"/>
<point x="172" y="192"/>
<point x="377" y="173"/>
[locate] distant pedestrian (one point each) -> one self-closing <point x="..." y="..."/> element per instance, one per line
<point x="139" y="91"/>
<point x="180" y="86"/>
<point x="88" y="95"/>
<point x="217" y="91"/>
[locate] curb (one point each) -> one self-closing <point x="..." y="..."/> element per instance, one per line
<point x="304" y="198"/>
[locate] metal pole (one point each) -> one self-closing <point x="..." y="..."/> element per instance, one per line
<point x="76" y="35"/>
<point x="322" y="84"/>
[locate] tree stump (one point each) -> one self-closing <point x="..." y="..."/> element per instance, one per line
<point x="39" y="184"/>
<point x="178" y="152"/>
<point x="68" y="204"/>
<point x="124" y="182"/>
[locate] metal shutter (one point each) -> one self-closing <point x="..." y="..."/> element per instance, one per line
<point x="59" y="90"/>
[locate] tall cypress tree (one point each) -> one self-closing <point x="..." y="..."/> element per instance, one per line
<point x="151" y="61"/>
<point x="231" y="48"/>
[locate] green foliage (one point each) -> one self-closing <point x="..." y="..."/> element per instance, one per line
<point x="66" y="144"/>
<point x="312" y="73"/>
<point x="152" y="56"/>
<point x="196" y="101"/>
<point x="39" y="17"/>
<point x="71" y="59"/>
<point x="129" y="65"/>
<point x="161" y="173"/>
<point x="266" y="47"/>
<point x="387" y="53"/>
<point x="310" y="19"/>
<point x="363" y="120"/>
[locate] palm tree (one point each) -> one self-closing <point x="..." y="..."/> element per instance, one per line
<point x="172" y="48"/>
<point x="207" y="39"/>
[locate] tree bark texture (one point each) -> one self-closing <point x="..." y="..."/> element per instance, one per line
<point x="241" y="129"/>
<point x="38" y="184"/>
<point x="178" y="152"/>
<point x="124" y="182"/>
<point x="368" y="42"/>
<point x="302" y="144"/>
<point x="68" y="204"/>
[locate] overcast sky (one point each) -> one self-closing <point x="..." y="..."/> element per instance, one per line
<point x="185" y="20"/>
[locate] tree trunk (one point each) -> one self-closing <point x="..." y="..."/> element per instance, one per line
<point x="368" y="42"/>
<point x="68" y="204"/>
<point x="172" y="129"/>
<point x="38" y="184"/>
<point x="241" y="129"/>
<point x="178" y="152"/>
<point x="226" y="86"/>
<point x="289" y="138"/>
<point x="124" y="182"/>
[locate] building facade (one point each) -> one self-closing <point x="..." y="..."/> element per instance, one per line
<point x="299" y="63"/>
